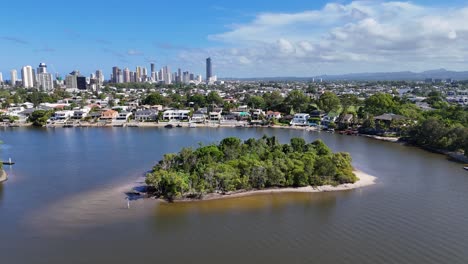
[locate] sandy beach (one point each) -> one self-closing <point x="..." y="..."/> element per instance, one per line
<point x="3" y="176"/>
<point x="364" y="180"/>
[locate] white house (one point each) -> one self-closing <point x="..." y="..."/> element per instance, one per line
<point x="81" y="113"/>
<point x="123" y="116"/>
<point x="271" y="114"/>
<point x="176" y="115"/>
<point x="300" y="119"/>
<point x="215" y="116"/>
<point x="198" y="117"/>
<point x="63" y="115"/>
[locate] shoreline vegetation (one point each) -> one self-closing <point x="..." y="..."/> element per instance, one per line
<point x="260" y="165"/>
<point x="364" y="181"/>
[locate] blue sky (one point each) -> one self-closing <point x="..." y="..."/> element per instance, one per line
<point x="245" y="38"/>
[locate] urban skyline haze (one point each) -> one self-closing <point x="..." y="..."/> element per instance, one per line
<point x="245" y="38"/>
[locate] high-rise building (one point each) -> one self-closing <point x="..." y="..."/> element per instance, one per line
<point x="71" y="80"/>
<point x="115" y="74"/>
<point x="153" y="69"/>
<point x="138" y="74"/>
<point x="126" y="75"/>
<point x="13" y="77"/>
<point x="45" y="81"/>
<point x="81" y="82"/>
<point x="209" y="69"/>
<point x="42" y="68"/>
<point x="1" y="78"/>
<point x="100" y="77"/>
<point x="27" y="76"/>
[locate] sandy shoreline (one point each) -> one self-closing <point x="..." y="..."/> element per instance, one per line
<point x="3" y="176"/>
<point x="364" y="180"/>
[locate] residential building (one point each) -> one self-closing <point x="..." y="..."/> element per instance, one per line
<point x="176" y="115"/>
<point x="146" y="115"/>
<point x="71" y="81"/>
<point x="215" y="116"/>
<point x="63" y="115"/>
<point x="45" y="81"/>
<point x="109" y="114"/>
<point x="300" y="119"/>
<point x="123" y="116"/>
<point x="13" y="77"/>
<point x="27" y="77"/>
<point x="209" y="70"/>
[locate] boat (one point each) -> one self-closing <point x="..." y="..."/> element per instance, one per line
<point x="466" y="168"/>
<point x="9" y="162"/>
<point x="179" y="125"/>
<point x="169" y="126"/>
<point x="192" y="125"/>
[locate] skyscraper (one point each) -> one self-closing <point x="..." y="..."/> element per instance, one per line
<point x="209" y="70"/>
<point x="115" y="74"/>
<point x="126" y="75"/>
<point x="153" y="69"/>
<point x="42" y="68"/>
<point x="1" y="78"/>
<point x="27" y="76"/>
<point x="45" y="81"/>
<point x="100" y="77"/>
<point x="13" y="77"/>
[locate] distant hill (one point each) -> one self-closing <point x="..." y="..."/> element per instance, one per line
<point x="374" y="76"/>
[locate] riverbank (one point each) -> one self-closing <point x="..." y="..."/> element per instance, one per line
<point x="364" y="180"/>
<point x="3" y="176"/>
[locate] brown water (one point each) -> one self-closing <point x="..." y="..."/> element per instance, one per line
<point x="64" y="204"/>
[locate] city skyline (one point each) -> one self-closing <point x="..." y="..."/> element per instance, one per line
<point x="247" y="39"/>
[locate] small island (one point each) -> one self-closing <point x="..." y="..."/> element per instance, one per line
<point x="234" y="167"/>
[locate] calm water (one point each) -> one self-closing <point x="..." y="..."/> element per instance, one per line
<point x="64" y="204"/>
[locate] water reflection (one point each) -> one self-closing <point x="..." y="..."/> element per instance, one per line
<point x="177" y="215"/>
<point x="1" y="193"/>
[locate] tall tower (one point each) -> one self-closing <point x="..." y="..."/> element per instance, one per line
<point x="42" y="68"/>
<point x="209" y="70"/>
<point x="115" y="74"/>
<point x="27" y="76"/>
<point x="14" y="77"/>
<point x="100" y="77"/>
<point x="126" y="75"/>
<point x="153" y="69"/>
<point x="1" y="78"/>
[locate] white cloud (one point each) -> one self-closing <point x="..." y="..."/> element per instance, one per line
<point x="359" y="36"/>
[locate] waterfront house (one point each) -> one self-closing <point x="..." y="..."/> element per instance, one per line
<point x="346" y="119"/>
<point x="63" y="115"/>
<point x="81" y="113"/>
<point x="109" y="114"/>
<point x="123" y="116"/>
<point x="300" y="119"/>
<point x="215" y="116"/>
<point x="271" y="115"/>
<point x="198" y="117"/>
<point x="170" y="115"/>
<point x="257" y="114"/>
<point x="146" y="115"/>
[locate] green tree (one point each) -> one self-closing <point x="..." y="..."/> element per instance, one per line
<point x="214" y="98"/>
<point x="154" y="99"/>
<point x="380" y="103"/>
<point x="328" y="102"/>
<point x="40" y="117"/>
<point x="297" y="101"/>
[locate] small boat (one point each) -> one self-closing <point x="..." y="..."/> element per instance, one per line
<point x="466" y="168"/>
<point x="169" y="126"/>
<point x="192" y="125"/>
<point x="179" y="125"/>
<point x="9" y="162"/>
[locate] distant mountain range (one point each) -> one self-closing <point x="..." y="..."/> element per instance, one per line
<point x="375" y="76"/>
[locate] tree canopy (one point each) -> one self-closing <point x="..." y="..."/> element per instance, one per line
<point x="253" y="164"/>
